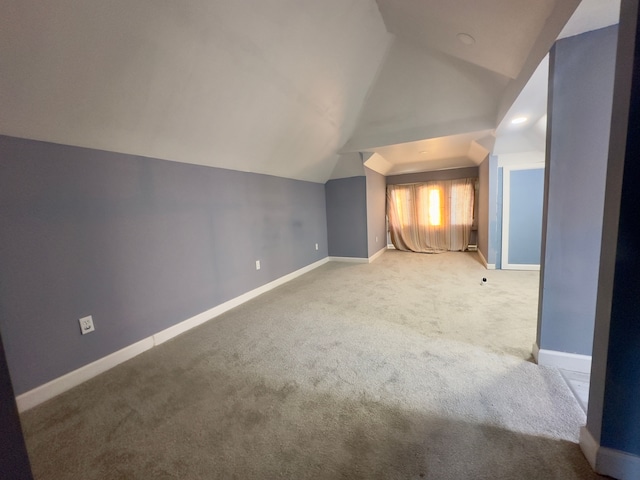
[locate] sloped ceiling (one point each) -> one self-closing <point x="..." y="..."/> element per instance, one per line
<point x="299" y="89"/>
<point x="269" y="86"/>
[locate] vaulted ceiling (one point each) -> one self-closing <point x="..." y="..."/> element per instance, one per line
<point x="298" y="89"/>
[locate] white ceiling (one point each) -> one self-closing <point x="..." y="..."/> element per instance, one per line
<point x="292" y="89"/>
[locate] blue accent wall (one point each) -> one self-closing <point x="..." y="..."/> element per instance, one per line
<point x="525" y="216"/>
<point x="138" y="243"/>
<point x="581" y="95"/>
<point x="346" y="200"/>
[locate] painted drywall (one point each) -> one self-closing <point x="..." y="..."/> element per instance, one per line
<point x="526" y="189"/>
<point x="581" y="90"/>
<point x="266" y="87"/>
<point x="495" y="213"/>
<point x="483" y="209"/>
<point x="423" y="94"/>
<point x="346" y="203"/>
<point x="499" y="217"/>
<point x="613" y="419"/>
<point x="140" y="244"/>
<point x="376" y="211"/>
<point x="451" y="174"/>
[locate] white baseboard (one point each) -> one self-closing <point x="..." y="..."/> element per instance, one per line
<point x="488" y="266"/>
<point x="519" y="266"/>
<point x="376" y="255"/>
<point x="589" y="446"/>
<point x="72" y="379"/>
<point x="567" y="361"/>
<point x="391" y="246"/>
<point x="608" y="461"/>
<point x="349" y="259"/>
<point x="203" y="317"/>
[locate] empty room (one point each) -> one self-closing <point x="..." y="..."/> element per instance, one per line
<point x="358" y="239"/>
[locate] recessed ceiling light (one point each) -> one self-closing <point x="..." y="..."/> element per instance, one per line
<point x="466" y="38"/>
<point x="423" y="152"/>
<point x="519" y="120"/>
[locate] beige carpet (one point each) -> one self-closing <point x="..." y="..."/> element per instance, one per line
<point x="404" y="368"/>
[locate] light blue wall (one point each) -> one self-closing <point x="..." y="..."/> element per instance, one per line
<point x="140" y="244"/>
<point x="525" y="216"/>
<point x="346" y="203"/>
<point x="376" y="211"/>
<point x="581" y="90"/>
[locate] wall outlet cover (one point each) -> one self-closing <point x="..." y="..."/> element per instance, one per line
<point x="86" y="325"/>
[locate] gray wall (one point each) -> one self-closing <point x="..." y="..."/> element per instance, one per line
<point x="451" y="174"/>
<point x="580" y="89"/>
<point x="138" y="243"/>
<point x="346" y="200"/>
<point x="483" y="209"/>
<point x="495" y="212"/>
<point x="525" y="216"/>
<point x="376" y="211"/>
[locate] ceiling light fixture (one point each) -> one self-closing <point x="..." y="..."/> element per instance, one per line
<point x="519" y="120"/>
<point x="466" y="38"/>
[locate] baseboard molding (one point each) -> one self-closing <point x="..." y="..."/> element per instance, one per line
<point x="567" y="361"/>
<point x="72" y="379"/>
<point x="203" y="317"/>
<point x="349" y="259"/>
<point x="520" y="266"/>
<point x="487" y="265"/>
<point x="589" y="446"/>
<point x="377" y="255"/>
<point x="608" y="461"/>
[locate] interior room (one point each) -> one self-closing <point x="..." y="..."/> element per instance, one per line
<point x="340" y="239"/>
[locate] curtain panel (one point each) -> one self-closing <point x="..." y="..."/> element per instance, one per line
<point x="431" y="217"/>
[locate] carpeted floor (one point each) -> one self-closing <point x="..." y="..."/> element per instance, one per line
<point x="403" y="368"/>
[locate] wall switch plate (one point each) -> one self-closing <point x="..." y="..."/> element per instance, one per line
<point x="376" y="239"/>
<point x="316" y="246"/>
<point x="257" y="264"/>
<point x="86" y="325"/>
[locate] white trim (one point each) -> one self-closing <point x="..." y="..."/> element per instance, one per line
<point x="506" y="210"/>
<point x="377" y="254"/>
<point x="203" y="317"/>
<point x="488" y="266"/>
<point x="617" y="464"/>
<point x="74" y="378"/>
<point x="608" y="461"/>
<point x="391" y="246"/>
<point x="520" y="266"/>
<point x="349" y="259"/>
<point x="573" y="362"/>
<point x="589" y="446"/>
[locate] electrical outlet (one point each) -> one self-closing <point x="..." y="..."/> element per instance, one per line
<point x="257" y="264"/>
<point x="316" y="246"/>
<point x="86" y="325"/>
<point x="376" y="239"/>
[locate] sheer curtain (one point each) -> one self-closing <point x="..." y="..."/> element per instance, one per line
<point x="431" y="217"/>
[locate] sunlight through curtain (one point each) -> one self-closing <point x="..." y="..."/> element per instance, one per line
<point x="431" y="217"/>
